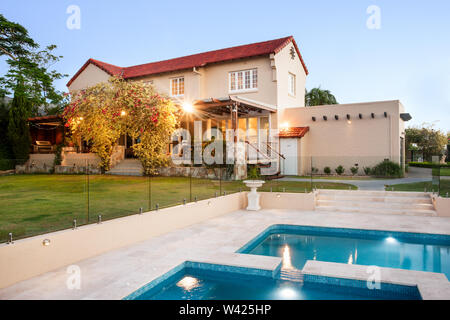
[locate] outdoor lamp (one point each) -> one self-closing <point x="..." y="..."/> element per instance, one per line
<point x="46" y="242"/>
<point x="187" y="107"/>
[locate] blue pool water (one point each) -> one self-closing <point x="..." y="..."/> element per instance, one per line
<point x="194" y="284"/>
<point x="296" y="245"/>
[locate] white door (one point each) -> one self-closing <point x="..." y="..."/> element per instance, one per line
<point x="288" y="148"/>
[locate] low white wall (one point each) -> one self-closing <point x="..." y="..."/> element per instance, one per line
<point x="442" y="206"/>
<point x="282" y="200"/>
<point x="28" y="258"/>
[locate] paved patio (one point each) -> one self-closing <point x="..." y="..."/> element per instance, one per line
<point x="116" y="274"/>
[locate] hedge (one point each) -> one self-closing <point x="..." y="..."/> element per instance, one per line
<point x="427" y="164"/>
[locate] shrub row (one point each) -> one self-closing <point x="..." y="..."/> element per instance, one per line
<point x="382" y="169"/>
<point x="427" y="164"/>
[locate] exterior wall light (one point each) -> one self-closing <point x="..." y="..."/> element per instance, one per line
<point x="325" y="118"/>
<point x="360" y="116"/>
<point x="46" y="242"/>
<point x="336" y="117"/>
<point x="188" y="107"/>
<point x="313" y="118"/>
<point x="372" y="115"/>
<point x="385" y="114"/>
<point x="348" y="117"/>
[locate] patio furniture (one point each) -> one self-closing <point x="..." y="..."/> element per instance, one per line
<point x="43" y="146"/>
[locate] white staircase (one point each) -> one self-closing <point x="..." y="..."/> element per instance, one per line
<point x="127" y="167"/>
<point x="380" y="202"/>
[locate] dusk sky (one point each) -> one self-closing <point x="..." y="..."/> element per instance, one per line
<point x="408" y="58"/>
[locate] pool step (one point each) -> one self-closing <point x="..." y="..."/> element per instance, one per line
<point x="127" y="167"/>
<point x="378" y="202"/>
<point x="291" y="275"/>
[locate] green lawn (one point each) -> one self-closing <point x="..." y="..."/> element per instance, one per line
<point x="34" y="204"/>
<point x="445" y="172"/>
<point x="420" y="187"/>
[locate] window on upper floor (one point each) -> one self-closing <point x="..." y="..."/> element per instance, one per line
<point x="177" y="86"/>
<point x="291" y="84"/>
<point x="244" y="80"/>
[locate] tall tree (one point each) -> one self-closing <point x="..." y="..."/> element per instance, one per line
<point x="427" y="140"/>
<point x="18" y="130"/>
<point x="318" y="97"/>
<point x="29" y="67"/>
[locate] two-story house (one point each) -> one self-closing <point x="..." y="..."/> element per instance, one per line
<point x="259" y="88"/>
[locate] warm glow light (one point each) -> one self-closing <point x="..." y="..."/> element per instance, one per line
<point x="80" y="118"/>
<point x="188" y="283"/>
<point x="123" y="113"/>
<point x="391" y="240"/>
<point x="287" y="263"/>
<point x="287" y="294"/>
<point x="285" y="125"/>
<point x="349" y="121"/>
<point x="187" y="107"/>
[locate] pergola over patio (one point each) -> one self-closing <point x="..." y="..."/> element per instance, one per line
<point x="46" y="129"/>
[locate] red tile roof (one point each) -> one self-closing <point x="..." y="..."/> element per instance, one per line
<point x="195" y="60"/>
<point x="294" y="132"/>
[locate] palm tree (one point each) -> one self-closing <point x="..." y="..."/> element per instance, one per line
<point x="318" y="97"/>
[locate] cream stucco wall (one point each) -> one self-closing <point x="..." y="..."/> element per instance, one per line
<point x="89" y="77"/>
<point x="211" y="81"/>
<point x="333" y="142"/>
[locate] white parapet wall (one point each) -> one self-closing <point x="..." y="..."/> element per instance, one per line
<point x="442" y="206"/>
<point x="29" y="257"/>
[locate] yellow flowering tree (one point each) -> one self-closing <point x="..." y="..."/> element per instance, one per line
<point x="102" y="113"/>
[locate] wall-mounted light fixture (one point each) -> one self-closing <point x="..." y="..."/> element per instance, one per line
<point x="313" y="118"/>
<point x="325" y="118"/>
<point x="372" y="115"/>
<point x="360" y="116"/>
<point x="46" y="242"/>
<point x="348" y="119"/>
<point x="385" y="114"/>
<point x="336" y="117"/>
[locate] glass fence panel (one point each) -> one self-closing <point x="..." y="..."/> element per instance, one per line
<point x="113" y="196"/>
<point x="34" y="201"/>
<point x="170" y="191"/>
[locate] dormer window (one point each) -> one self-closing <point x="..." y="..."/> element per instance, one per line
<point x="244" y="80"/>
<point x="177" y="87"/>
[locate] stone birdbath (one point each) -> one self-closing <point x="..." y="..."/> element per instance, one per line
<point x="253" y="196"/>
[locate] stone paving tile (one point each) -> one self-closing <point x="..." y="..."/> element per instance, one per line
<point x="115" y="274"/>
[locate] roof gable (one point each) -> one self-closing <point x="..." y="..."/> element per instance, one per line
<point x="195" y="60"/>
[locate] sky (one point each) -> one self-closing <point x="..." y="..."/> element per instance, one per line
<point x="407" y="58"/>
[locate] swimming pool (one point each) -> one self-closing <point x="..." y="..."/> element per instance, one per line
<point x="199" y="281"/>
<point x="297" y="244"/>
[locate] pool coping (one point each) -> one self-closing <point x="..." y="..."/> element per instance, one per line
<point x="431" y="285"/>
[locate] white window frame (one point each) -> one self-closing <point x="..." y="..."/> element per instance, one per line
<point x="253" y="73"/>
<point x="292" y="87"/>
<point x="177" y="79"/>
